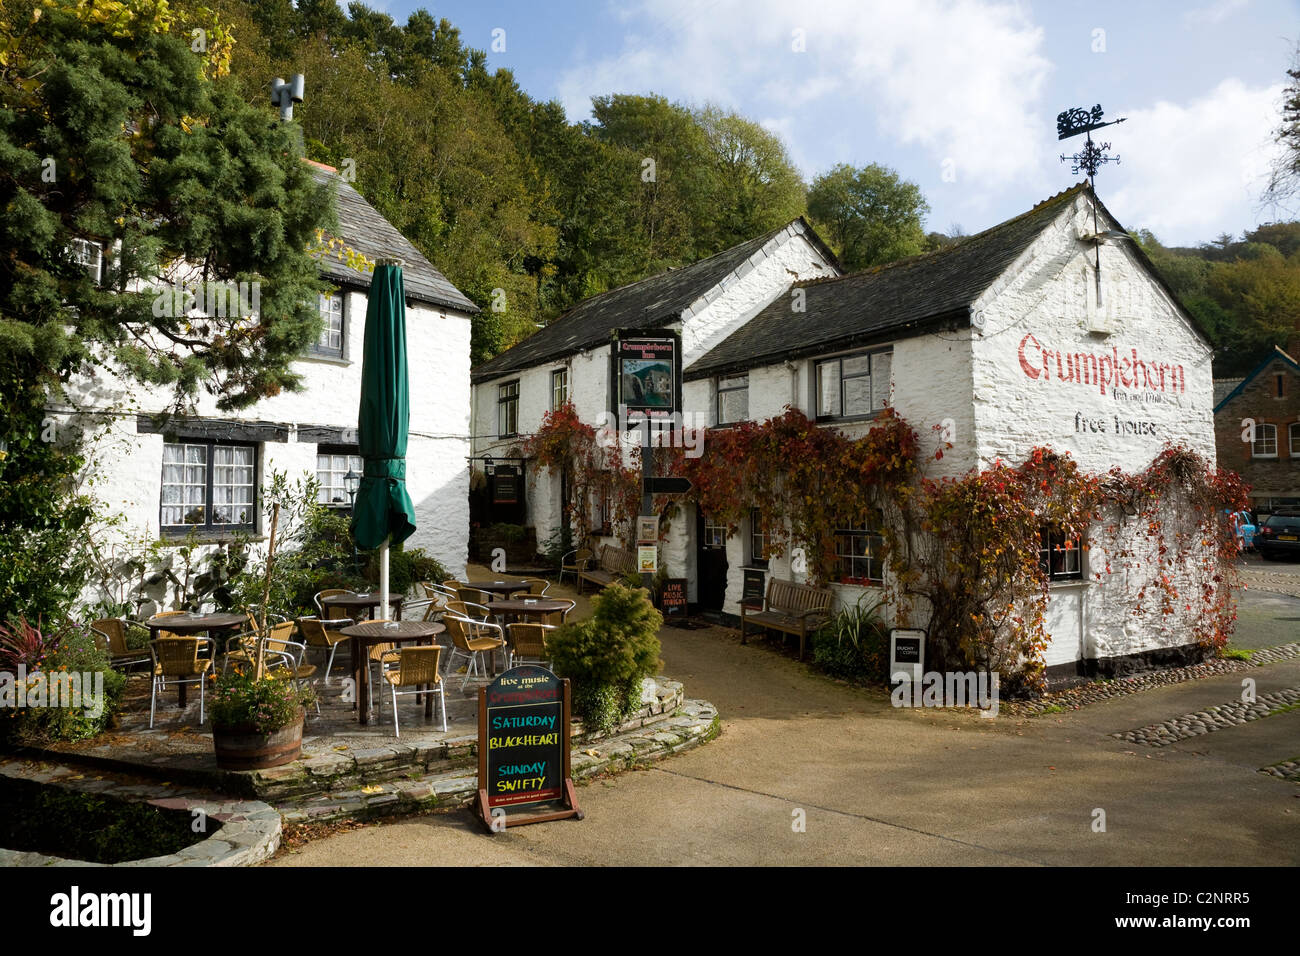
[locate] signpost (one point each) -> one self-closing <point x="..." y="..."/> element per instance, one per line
<point x="665" y="485"/>
<point x="523" y="749"/>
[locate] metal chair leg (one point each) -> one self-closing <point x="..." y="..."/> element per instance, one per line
<point x="396" y="730"/>
<point x="153" y="698"/>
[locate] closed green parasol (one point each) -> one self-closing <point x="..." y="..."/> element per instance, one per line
<point x="383" y="513"/>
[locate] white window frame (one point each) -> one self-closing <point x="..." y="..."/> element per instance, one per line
<point x="873" y="545"/>
<point x="1263" y="429"/>
<point x="559" y="388"/>
<point x="1070" y="551"/>
<point x="322" y="345"/>
<point x="352" y="462"/>
<point x="93" y="265"/>
<point x="758" y="541"/>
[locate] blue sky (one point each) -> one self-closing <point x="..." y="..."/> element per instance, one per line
<point x="959" y="96"/>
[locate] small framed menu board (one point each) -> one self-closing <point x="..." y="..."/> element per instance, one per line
<point x="523" y="749"/>
<point x="752" y="591"/>
<point x="672" y="599"/>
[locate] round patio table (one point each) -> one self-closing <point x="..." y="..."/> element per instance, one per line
<point x="366" y="635"/>
<point x="187" y="625"/>
<point x="529" y="607"/>
<point x="368" y="601"/>
<point x="504" y="588"/>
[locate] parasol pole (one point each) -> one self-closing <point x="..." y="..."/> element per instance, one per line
<point x="383" y="578"/>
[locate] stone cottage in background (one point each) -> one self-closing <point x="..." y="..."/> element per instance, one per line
<point x="169" y="476"/>
<point x="1257" y="427"/>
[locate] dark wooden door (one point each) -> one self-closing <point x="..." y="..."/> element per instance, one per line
<point x="710" y="563"/>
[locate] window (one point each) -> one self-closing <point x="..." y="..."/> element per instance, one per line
<point x="559" y="388"/>
<point x="1281" y="390"/>
<point x="331" y="465"/>
<point x="1293" y="438"/>
<point x="331" y="333"/>
<point x="603" y="508"/>
<point x="207" y="486"/>
<point x="861" y="553"/>
<point x="757" y="540"/>
<point x="715" y="535"/>
<point x="1265" y="445"/>
<point x="508" y="409"/>
<point x="90" y="257"/>
<point x="853" y="386"/>
<point x="733" y="399"/>
<point x="1060" y="559"/>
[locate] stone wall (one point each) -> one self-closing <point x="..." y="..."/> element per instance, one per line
<point x="1259" y="401"/>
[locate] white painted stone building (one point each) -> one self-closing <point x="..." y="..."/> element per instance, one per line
<point x="168" y="475"/>
<point x="968" y="339"/>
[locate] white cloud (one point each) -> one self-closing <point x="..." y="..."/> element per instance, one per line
<point x="958" y="79"/>
<point x="1191" y="170"/>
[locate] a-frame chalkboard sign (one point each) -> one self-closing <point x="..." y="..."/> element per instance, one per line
<point x="523" y="749"/>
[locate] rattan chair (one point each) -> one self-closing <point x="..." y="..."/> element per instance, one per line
<point x="110" y="637"/>
<point x="416" y="667"/>
<point x="315" y="634"/>
<point x="575" y="561"/>
<point x="284" y="657"/>
<point x="177" y="659"/>
<point x="528" y="640"/>
<point x="472" y="595"/>
<point x="471" y="639"/>
<point x="336" y="616"/>
<point x="536" y="587"/>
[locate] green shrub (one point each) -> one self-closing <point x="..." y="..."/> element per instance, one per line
<point x="74" y="653"/>
<point x="406" y="569"/>
<point x="607" y="655"/>
<point x="509" y="533"/>
<point x="854" y="644"/>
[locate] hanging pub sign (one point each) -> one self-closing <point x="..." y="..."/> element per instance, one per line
<point x="672" y="598"/>
<point x="523" y="749"/>
<point x="505" y="486"/>
<point x="648" y="370"/>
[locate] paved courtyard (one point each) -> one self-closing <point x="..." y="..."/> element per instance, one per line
<point x="872" y="784"/>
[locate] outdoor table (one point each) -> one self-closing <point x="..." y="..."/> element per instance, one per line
<point x="187" y="624"/>
<point x="355" y="602"/>
<point x="528" y="607"/>
<point x="366" y="635"/>
<point x="504" y="588"/>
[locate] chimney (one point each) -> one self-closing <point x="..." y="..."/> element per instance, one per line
<point x="284" y="95"/>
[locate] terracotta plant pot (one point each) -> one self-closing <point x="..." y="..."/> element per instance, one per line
<point x="239" y="748"/>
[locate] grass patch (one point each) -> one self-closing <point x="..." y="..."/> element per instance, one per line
<point x="1052" y="709"/>
<point x="1236" y="653"/>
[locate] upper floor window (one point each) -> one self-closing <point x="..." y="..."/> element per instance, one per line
<point x="1265" y="445"/>
<point x="508" y="409"/>
<point x="332" y="464"/>
<point x="1059" y="557"/>
<point x="733" y="399"/>
<point x="331" y="333"/>
<point x="853" y="386"/>
<point x="90" y="256"/>
<point x="1281" y="387"/>
<point x="559" y="388"/>
<point x="1293" y="438"/>
<point x="208" y="486"/>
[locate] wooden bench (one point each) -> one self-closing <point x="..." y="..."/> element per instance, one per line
<point x="791" y="608"/>
<point x="612" y="565"/>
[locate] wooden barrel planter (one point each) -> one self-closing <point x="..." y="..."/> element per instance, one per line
<point x="246" y="749"/>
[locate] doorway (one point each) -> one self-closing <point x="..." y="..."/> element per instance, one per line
<point x="710" y="563"/>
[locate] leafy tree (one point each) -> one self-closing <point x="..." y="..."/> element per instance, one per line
<point x="870" y="215"/>
<point x="1284" y="183"/>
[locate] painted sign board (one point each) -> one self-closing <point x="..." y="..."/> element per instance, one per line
<point x="672" y="598"/>
<point x="523" y="747"/>
<point x="647" y="559"/>
<point x="648" y="370"/>
<point x="907" y="654"/>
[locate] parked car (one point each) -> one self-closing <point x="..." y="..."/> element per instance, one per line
<point x="1279" y="535"/>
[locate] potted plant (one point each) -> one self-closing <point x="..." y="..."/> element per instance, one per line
<point x="257" y="713"/>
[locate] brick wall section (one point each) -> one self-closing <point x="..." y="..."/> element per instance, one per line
<point x="1259" y="400"/>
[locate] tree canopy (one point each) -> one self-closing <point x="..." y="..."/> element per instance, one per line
<point x="869" y="215"/>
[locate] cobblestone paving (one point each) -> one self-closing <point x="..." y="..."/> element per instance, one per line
<point x="1207" y="721"/>
<point x="1278" y="582"/>
<point x="1075" y="697"/>
<point x="1287" y="770"/>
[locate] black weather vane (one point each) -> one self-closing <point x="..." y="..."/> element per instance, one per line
<point x="1072" y="122"/>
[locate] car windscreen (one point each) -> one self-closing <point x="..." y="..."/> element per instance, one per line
<point x="1283" y="522"/>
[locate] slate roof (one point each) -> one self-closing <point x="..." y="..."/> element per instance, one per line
<point x="365" y="230"/>
<point x="1241" y="383"/>
<point x="653" y="302"/>
<point x="879" y="303"/>
<point x="1223" y="387"/>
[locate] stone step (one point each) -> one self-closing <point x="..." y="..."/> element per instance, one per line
<point x="693" y="723"/>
